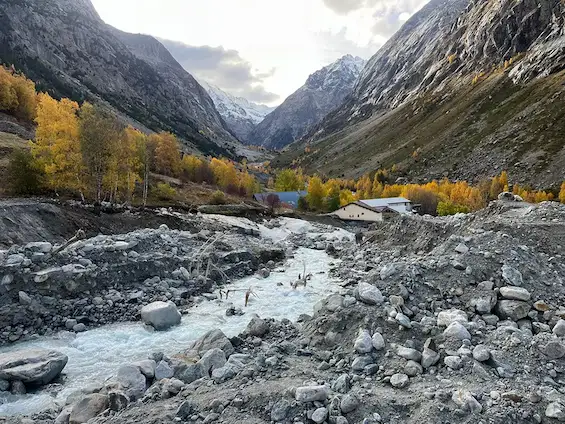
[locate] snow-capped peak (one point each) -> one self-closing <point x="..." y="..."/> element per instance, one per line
<point x="240" y="114"/>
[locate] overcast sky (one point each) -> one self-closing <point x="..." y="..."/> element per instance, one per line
<point x="261" y="49"/>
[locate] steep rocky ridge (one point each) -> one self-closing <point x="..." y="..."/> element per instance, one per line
<point x="463" y="89"/>
<point x="241" y="115"/>
<point x="71" y="52"/>
<point x="324" y="91"/>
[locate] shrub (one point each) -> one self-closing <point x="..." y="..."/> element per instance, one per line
<point x="24" y="176"/>
<point x="218" y="198"/>
<point x="164" y="191"/>
<point x="448" y="208"/>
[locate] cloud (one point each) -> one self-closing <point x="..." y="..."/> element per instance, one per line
<point x="389" y="15"/>
<point x="223" y="68"/>
<point x="336" y="45"/>
<point x="343" y="7"/>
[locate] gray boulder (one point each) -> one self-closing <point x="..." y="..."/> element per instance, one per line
<point x="147" y="367"/>
<point x="311" y="393"/>
<point x="163" y="370"/>
<point x="132" y="381"/>
<point x="257" y="327"/>
<point x="369" y="294"/>
<point x="512" y="309"/>
<point x="280" y="410"/>
<point x="33" y="366"/>
<point x="212" y="339"/>
<point x="559" y="328"/>
<point x="457" y="331"/>
<point x="512" y="276"/>
<point x="161" y="315"/>
<point x="213" y="359"/>
<point x="515" y="293"/>
<point x="89" y="407"/>
<point x="364" y="342"/>
<point x="349" y="403"/>
<point x="555" y="410"/>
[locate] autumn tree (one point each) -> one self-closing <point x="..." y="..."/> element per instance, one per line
<point x="17" y="95"/>
<point x="225" y="174"/>
<point x="99" y="134"/>
<point x="562" y="193"/>
<point x="128" y="164"/>
<point x="332" y="189"/>
<point x="166" y="148"/>
<point x="289" y="180"/>
<point x="346" y="197"/>
<point x="316" y="193"/>
<point x="364" y="187"/>
<point x="57" y="149"/>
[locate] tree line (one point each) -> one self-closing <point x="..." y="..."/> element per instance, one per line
<point x="86" y="150"/>
<point x="443" y="197"/>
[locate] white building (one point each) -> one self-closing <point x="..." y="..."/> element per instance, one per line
<point x="399" y="204"/>
<point x="374" y="210"/>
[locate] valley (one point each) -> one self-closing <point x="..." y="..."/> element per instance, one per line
<point x="187" y="237"/>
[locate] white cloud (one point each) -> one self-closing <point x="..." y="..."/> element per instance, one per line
<point x="295" y="37"/>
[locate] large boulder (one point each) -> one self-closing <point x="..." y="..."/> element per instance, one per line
<point x="512" y="309"/>
<point x="33" y="366"/>
<point x="161" y="315"/>
<point x="369" y="294"/>
<point x="89" y="407"/>
<point x="211" y="340"/>
<point x="132" y="381"/>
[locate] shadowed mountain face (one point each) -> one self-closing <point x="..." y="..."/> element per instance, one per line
<point x="464" y="89"/>
<point x="324" y="91"/>
<point x="69" y="51"/>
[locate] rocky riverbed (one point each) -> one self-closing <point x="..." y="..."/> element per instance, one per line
<point x="437" y="320"/>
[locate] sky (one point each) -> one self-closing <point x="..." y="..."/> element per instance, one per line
<point x="262" y="50"/>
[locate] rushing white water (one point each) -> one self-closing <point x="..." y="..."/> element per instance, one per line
<point x="96" y="355"/>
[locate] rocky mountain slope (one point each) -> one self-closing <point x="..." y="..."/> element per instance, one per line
<point x="71" y="52"/>
<point x="241" y="115"/>
<point x="324" y="91"/>
<point x="464" y="89"/>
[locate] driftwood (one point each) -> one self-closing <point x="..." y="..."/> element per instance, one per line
<point x="248" y="293"/>
<point x="80" y="235"/>
<point x="302" y="279"/>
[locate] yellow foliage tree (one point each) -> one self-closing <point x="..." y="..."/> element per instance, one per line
<point x="562" y="193"/>
<point x="57" y="147"/>
<point x="316" y="193"/>
<point x="225" y="174"/>
<point x="346" y="197"/>
<point x="364" y="187"/>
<point x="166" y="149"/>
<point x="17" y="94"/>
<point x="289" y="180"/>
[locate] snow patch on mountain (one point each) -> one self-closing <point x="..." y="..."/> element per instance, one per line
<point x="240" y="114"/>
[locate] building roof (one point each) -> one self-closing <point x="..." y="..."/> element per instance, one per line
<point x="376" y="203"/>
<point x="288" y="197"/>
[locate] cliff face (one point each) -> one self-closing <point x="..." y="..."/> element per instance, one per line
<point x="71" y="52"/>
<point x="324" y="91"/>
<point x="464" y="89"/>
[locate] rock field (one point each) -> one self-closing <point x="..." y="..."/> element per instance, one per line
<point x="440" y="320"/>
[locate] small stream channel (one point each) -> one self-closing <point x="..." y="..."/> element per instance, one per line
<point x="96" y="355"/>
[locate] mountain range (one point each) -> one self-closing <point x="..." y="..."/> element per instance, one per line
<point x="465" y="89"/>
<point x="69" y="51"/>
<point x="241" y="115"/>
<point x="324" y="91"/>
